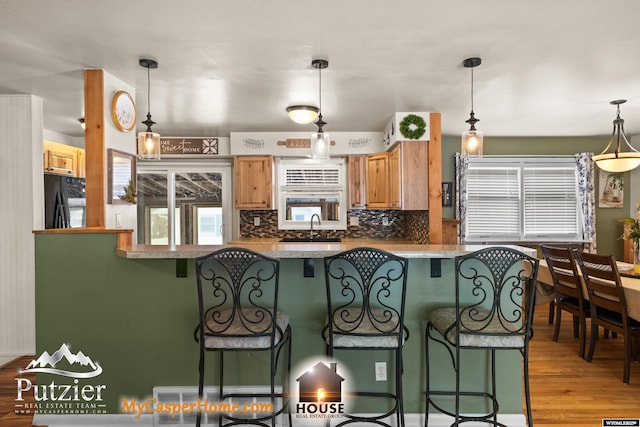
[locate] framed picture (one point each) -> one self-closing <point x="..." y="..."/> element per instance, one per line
<point x="122" y="177"/>
<point x="611" y="189"/>
<point x="447" y="194"/>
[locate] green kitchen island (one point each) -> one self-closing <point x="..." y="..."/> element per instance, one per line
<point x="132" y="310"/>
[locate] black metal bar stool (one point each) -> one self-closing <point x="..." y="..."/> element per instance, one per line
<point x="493" y="311"/>
<point x="238" y="306"/>
<point x="366" y="291"/>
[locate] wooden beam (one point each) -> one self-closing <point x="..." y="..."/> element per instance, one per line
<point x="435" y="179"/>
<point x="94" y="147"/>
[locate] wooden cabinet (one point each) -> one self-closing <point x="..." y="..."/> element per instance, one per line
<point x="395" y="177"/>
<point x="399" y="178"/>
<point x="450" y="231"/>
<point x="253" y="182"/>
<point x="412" y="175"/>
<point x="64" y="159"/>
<point x="377" y="181"/>
<point x="357" y="176"/>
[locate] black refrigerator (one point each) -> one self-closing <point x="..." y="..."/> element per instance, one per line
<point x="64" y="201"/>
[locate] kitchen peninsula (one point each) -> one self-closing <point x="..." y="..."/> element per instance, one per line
<point x="126" y="308"/>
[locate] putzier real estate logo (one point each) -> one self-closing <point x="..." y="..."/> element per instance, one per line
<point x="58" y="397"/>
<point x="320" y="392"/>
<point x="46" y="363"/>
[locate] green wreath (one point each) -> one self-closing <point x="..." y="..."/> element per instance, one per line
<point x="412" y="126"/>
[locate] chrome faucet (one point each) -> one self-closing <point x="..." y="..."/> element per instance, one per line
<point x="319" y="223"/>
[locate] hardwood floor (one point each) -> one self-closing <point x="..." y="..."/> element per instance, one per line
<point x="566" y="390"/>
<point x="569" y="391"/>
<point x="8" y="395"/>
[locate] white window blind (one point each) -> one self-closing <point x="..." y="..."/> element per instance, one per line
<point x="550" y="202"/>
<point x="522" y="199"/>
<point x="493" y="202"/>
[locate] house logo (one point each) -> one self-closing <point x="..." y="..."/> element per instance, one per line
<point x="60" y="396"/>
<point x="320" y="392"/>
<point x="46" y="363"/>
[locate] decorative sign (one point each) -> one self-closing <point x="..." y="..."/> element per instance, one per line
<point x="299" y="143"/>
<point x="188" y="146"/>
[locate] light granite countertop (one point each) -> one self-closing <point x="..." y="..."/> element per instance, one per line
<point x="273" y="248"/>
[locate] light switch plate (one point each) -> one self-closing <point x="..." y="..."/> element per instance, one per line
<point x="256" y="221"/>
<point x="354" y="221"/>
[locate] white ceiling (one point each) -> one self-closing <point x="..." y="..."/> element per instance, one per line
<point x="549" y="67"/>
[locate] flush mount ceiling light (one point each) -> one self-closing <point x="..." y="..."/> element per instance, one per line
<point x="148" y="141"/>
<point x="320" y="140"/>
<point x="618" y="161"/>
<point x="302" y="113"/>
<point x="472" y="139"/>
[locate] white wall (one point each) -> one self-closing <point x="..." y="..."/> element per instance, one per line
<point x="122" y="141"/>
<point x="74" y="141"/>
<point x="22" y="211"/>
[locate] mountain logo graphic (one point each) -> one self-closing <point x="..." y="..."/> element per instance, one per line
<point x="46" y="364"/>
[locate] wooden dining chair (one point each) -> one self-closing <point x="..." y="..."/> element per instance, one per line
<point x="567" y="286"/>
<point x="608" y="304"/>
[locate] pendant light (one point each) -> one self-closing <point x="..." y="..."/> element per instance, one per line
<point x="302" y="113"/>
<point x="148" y="141"/>
<point x="472" y="139"/>
<point x="320" y="140"/>
<point x="618" y="161"/>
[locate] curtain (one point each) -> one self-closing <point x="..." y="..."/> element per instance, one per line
<point x="586" y="188"/>
<point x="462" y="165"/>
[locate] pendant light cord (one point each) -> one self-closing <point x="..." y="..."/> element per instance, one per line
<point x="149" y="90"/>
<point x="320" y="90"/>
<point x="471" y="88"/>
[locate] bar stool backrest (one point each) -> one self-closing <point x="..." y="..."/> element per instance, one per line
<point x="237" y="294"/>
<point x="366" y="291"/>
<point x="495" y="292"/>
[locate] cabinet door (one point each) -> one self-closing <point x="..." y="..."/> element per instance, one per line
<point x="253" y="182"/>
<point x="60" y="162"/>
<point x="414" y="175"/>
<point x="377" y="181"/>
<point x="395" y="177"/>
<point x="357" y="171"/>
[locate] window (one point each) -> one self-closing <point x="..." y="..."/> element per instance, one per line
<point x="307" y="187"/>
<point x="184" y="204"/>
<point x="522" y="199"/>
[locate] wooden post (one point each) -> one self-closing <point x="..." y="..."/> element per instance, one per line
<point x="435" y="180"/>
<point x="94" y="147"/>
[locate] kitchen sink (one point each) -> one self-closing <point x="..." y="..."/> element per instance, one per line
<point x="309" y="240"/>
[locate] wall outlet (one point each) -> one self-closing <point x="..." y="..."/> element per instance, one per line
<point x="256" y="221"/>
<point x="118" y="220"/>
<point x="381" y="371"/>
<point x="353" y="221"/>
<point x="385" y="220"/>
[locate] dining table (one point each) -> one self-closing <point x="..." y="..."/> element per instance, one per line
<point x="630" y="284"/>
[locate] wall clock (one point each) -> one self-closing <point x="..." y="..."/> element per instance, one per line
<point x="123" y="111"/>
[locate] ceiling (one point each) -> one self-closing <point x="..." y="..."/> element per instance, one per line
<point x="549" y="68"/>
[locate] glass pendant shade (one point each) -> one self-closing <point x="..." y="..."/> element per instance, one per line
<point x="617" y="160"/>
<point x="320" y="142"/>
<point x="148" y="141"/>
<point x="472" y="143"/>
<point x="472" y="139"/>
<point x="302" y="113"/>
<point x="622" y="162"/>
<point x="148" y="145"/>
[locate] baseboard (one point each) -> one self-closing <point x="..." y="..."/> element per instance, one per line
<point x="120" y="420"/>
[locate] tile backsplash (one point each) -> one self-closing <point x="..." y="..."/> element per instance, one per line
<point x="413" y="225"/>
